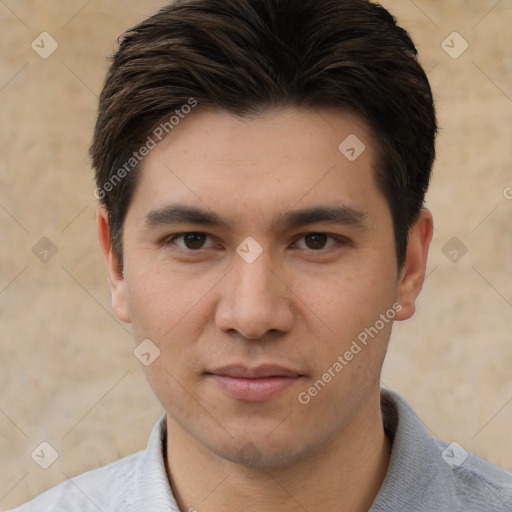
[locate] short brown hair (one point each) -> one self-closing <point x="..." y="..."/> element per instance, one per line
<point x="246" y="56"/>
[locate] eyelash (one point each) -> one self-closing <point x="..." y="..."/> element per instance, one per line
<point x="339" y="240"/>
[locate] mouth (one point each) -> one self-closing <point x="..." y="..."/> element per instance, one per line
<point x="258" y="384"/>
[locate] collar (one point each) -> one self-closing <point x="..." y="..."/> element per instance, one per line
<point x="415" y="474"/>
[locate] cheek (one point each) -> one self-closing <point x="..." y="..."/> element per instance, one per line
<point x="162" y="298"/>
<point x="345" y="311"/>
<point x="348" y="300"/>
<point x="172" y="309"/>
<point x="351" y="340"/>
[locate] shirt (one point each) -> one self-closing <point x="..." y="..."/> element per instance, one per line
<point x="424" y="475"/>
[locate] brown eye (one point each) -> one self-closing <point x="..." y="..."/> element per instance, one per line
<point x="315" y="241"/>
<point x="194" y="240"/>
<point x="318" y="242"/>
<point x="190" y="241"/>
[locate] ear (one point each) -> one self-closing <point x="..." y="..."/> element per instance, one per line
<point x="115" y="275"/>
<point x="413" y="271"/>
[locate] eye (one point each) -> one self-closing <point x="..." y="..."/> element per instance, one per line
<point x="318" y="241"/>
<point x="189" y="241"/>
<point x="196" y="241"/>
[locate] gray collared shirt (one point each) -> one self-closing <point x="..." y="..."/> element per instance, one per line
<point x="424" y="475"/>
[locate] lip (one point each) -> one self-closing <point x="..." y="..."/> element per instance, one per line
<point x="258" y="384"/>
<point x="258" y="372"/>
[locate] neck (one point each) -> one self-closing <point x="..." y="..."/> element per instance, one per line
<point x="343" y="476"/>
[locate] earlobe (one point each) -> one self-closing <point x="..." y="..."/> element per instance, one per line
<point x="116" y="279"/>
<point x="413" y="271"/>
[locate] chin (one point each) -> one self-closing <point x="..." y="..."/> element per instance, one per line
<point x="257" y="451"/>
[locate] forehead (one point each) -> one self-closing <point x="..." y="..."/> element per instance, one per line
<point x="261" y="164"/>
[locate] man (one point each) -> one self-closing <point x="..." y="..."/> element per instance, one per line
<point x="261" y="167"/>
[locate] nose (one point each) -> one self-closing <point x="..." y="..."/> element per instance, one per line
<point x="255" y="299"/>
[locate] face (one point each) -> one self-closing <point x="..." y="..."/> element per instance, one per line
<point x="260" y="261"/>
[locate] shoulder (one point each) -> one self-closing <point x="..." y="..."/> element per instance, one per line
<point x="105" y="488"/>
<point x="430" y="474"/>
<point x="136" y="483"/>
<point x="474" y="482"/>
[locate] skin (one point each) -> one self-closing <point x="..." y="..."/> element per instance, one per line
<point x="300" y="305"/>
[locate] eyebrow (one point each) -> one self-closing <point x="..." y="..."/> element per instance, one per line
<point x="184" y="214"/>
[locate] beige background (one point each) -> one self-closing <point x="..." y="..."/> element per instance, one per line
<point x="67" y="372"/>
